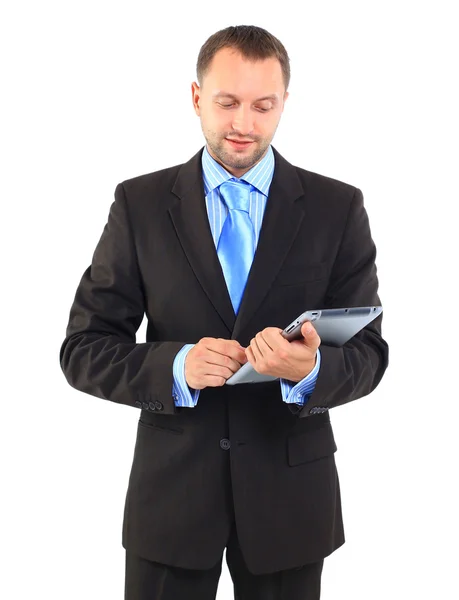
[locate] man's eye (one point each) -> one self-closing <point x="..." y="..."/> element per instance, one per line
<point x="259" y="108"/>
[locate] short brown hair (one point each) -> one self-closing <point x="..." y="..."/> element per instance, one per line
<point x="254" y="43"/>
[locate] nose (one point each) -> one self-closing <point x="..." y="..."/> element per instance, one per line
<point x="243" y="120"/>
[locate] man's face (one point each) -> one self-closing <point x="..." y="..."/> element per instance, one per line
<point x="239" y="101"/>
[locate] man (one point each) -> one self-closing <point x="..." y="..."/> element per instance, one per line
<point x="221" y="253"/>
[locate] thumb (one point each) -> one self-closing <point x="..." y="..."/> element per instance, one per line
<point x="307" y="329"/>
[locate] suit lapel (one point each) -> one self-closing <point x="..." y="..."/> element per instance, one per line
<point x="281" y="223"/>
<point x="191" y="223"/>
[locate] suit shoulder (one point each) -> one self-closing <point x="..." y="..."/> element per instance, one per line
<point x="154" y="180"/>
<point x="325" y="184"/>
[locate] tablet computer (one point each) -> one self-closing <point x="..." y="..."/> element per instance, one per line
<point x="335" y="327"/>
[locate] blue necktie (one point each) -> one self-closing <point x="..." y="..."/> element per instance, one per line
<point x="236" y="246"/>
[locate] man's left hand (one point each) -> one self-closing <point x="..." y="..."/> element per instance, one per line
<point x="271" y="354"/>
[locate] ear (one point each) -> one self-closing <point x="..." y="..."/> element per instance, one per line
<point x="196" y="96"/>
<point x="286" y="95"/>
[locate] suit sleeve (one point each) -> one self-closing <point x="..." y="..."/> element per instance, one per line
<point x="355" y="369"/>
<point x="99" y="355"/>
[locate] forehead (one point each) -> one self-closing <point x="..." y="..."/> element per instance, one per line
<point x="233" y="73"/>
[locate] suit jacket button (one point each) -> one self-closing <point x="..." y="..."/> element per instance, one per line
<point x="145" y="405"/>
<point x="225" y="444"/>
<point x="152" y="406"/>
<point x="313" y="410"/>
<point x="138" y="404"/>
<point x="159" y="405"/>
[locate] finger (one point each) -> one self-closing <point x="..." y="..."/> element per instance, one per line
<point x="238" y="353"/>
<point x="309" y="333"/>
<point x="215" y="359"/>
<point x="273" y="337"/>
<point x="255" y="349"/>
<point x="225" y="367"/>
<point x="205" y="357"/>
<point x="212" y="381"/>
<point x="250" y="356"/>
<point x="307" y="328"/>
<point x="230" y="348"/>
<point x="263" y="345"/>
<point x="218" y="371"/>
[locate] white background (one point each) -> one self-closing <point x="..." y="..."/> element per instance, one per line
<point x="98" y="92"/>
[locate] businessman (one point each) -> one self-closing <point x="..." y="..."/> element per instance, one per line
<point x="220" y="253"/>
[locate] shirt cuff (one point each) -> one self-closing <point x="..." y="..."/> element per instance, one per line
<point x="182" y="394"/>
<point x="298" y="393"/>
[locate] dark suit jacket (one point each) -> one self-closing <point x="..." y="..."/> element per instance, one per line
<point x="156" y="256"/>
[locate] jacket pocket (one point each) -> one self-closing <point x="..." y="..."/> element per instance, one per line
<point x="161" y="427"/>
<point x="310" y="445"/>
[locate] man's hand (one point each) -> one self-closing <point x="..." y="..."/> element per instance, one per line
<point x="212" y="361"/>
<point x="271" y="354"/>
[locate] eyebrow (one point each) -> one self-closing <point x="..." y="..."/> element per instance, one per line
<point x="272" y="97"/>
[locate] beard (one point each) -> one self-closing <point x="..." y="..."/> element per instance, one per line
<point x="232" y="158"/>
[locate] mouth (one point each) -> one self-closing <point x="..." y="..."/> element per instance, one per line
<point x="240" y="145"/>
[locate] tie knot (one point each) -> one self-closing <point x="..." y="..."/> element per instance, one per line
<point x="236" y="194"/>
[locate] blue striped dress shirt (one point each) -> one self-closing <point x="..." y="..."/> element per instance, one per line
<point x="260" y="176"/>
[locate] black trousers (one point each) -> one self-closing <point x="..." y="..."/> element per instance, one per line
<point x="146" y="580"/>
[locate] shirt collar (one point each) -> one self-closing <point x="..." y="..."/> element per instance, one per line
<point x="260" y="175"/>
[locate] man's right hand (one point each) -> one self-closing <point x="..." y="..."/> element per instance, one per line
<point x="212" y="361"/>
